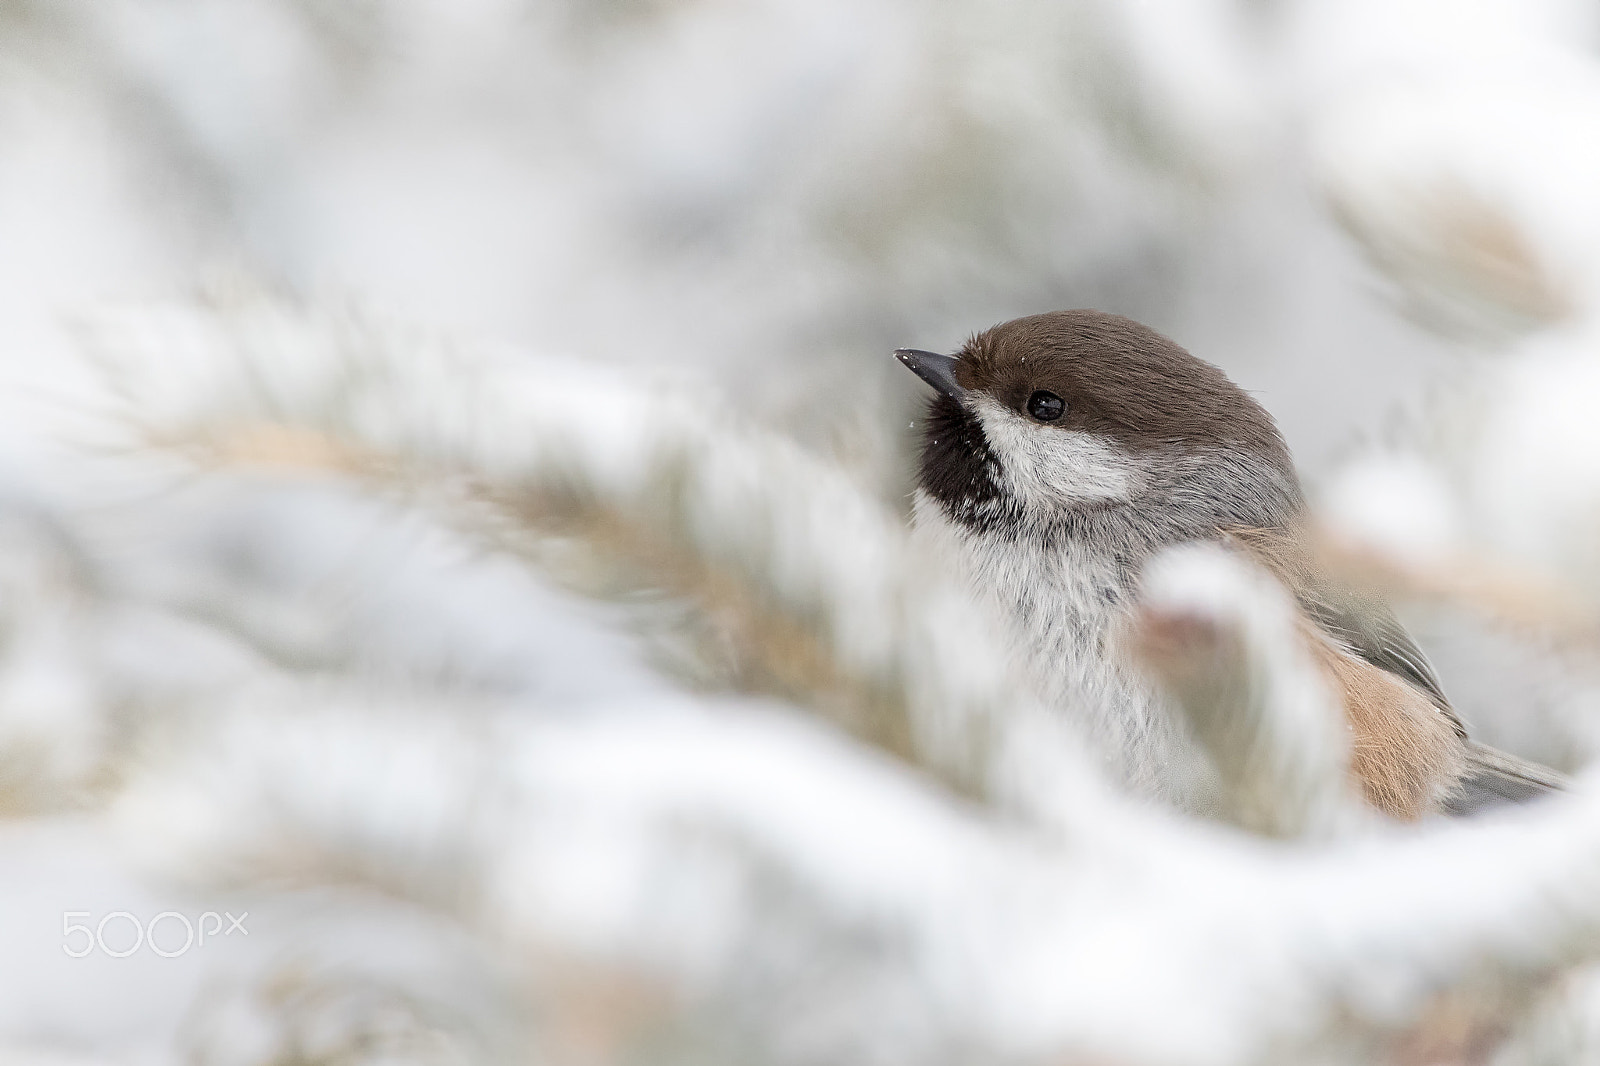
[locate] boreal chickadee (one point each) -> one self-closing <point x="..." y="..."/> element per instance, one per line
<point x="1062" y="451"/>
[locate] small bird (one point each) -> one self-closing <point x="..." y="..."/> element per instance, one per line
<point x="1062" y="451"/>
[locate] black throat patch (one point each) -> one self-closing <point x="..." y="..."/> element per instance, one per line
<point x="961" y="471"/>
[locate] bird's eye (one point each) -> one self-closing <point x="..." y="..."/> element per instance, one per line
<point x="1046" y="406"/>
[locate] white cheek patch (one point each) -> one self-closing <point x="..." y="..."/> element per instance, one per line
<point x="1042" y="465"/>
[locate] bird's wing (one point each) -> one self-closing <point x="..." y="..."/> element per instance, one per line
<point x="1495" y="779"/>
<point x="1368" y="629"/>
<point x="1362" y="625"/>
<point x="1371" y="632"/>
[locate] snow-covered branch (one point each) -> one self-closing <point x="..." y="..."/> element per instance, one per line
<point x="826" y="591"/>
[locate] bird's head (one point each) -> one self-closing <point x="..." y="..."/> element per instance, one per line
<point x="1077" y="411"/>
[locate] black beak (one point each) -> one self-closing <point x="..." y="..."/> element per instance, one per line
<point x="937" y="370"/>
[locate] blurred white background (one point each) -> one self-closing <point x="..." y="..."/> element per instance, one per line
<point x="452" y="479"/>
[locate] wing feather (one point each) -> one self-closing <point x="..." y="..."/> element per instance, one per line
<point x="1366" y="628"/>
